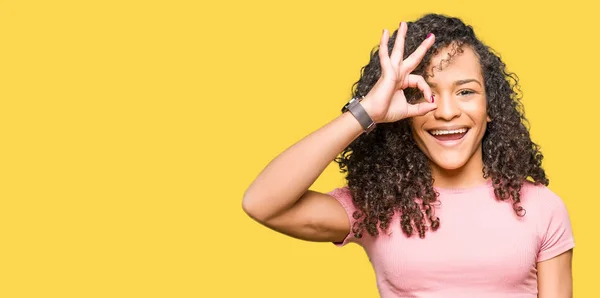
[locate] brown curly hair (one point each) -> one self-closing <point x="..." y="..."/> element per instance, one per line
<point x="385" y="170"/>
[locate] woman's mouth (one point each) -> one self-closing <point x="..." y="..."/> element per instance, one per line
<point x="448" y="135"/>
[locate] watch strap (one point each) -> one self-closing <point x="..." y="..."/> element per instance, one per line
<point x="357" y="110"/>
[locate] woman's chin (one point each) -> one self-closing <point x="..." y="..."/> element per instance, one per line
<point x="449" y="164"/>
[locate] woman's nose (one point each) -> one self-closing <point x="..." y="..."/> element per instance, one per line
<point x="447" y="109"/>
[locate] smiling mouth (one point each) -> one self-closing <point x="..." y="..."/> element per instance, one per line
<point x="448" y="135"/>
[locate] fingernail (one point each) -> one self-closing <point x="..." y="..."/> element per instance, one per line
<point x="400" y="24"/>
<point x="432" y="99"/>
<point x="428" y="35"/>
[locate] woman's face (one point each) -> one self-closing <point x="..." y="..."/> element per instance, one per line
<point x="451" y="135"/>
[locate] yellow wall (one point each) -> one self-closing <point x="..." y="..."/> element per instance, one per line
<point x="130" y="130"/>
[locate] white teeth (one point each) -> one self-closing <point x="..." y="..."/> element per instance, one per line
<point x="438" y="132"/>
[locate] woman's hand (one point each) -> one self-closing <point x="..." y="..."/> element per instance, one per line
<point x="386" y="101"/>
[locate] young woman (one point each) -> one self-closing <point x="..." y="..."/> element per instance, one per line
<point x="445" y="189"/>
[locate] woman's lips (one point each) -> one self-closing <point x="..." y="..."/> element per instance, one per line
<point x="449" y="139"/>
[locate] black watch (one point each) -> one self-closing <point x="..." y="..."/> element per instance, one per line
<point x="357" y="110"/>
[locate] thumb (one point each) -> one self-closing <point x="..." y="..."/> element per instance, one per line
<point x="420" y="109"/>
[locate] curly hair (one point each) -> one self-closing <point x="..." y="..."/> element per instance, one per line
<point x="387" y="173"/>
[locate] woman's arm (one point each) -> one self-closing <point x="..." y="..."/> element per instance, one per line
<point x="555" y="278"/>
<point x="279" y="197"/>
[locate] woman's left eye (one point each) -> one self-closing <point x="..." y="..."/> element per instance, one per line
<point x="465" y="92"/>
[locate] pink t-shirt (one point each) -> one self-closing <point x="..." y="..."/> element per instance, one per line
<point x="481" y="249"/>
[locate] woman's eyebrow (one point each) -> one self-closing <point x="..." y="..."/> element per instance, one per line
<point x="457" y="83"/>
<point x="462" y="82"/>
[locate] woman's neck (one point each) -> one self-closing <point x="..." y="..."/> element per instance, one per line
<point x="467" y="176"/>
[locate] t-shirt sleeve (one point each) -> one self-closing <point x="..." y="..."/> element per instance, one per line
<point x="556" y="233"/>
<point x="343" y="196"/>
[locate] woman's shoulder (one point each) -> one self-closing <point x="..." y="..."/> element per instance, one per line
<point x="538" y="192"/>
<point x="550" y="212"/>
<point x="344" y="197"/>
<point x="541" y="197"/>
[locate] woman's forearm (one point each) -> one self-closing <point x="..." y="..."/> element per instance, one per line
<point x="288" y="176"/>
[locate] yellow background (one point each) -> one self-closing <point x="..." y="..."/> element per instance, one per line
<point x="130" y="130"/>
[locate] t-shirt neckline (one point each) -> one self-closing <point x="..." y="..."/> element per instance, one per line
<point x="485" y="185"/>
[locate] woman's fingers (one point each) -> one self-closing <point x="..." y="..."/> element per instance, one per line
<point x="399" y="74"/>
<point x="420" y="109"/>
<point x="416" y="81"/>
<point x="384" y="58"/>
<point x="415" y="58"/>
<point x="398" y="50"/>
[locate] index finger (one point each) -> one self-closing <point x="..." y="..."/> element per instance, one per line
<point x="416" y="81"/>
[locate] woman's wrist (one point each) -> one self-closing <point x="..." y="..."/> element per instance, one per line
<point x="367" y="105"/>
<point x="356" y="108"/>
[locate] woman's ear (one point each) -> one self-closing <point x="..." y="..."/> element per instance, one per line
<point x="489" y="119"/>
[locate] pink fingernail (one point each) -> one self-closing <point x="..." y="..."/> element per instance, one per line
<point x="428" y="35"/>
<point x="432" y="99"/>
